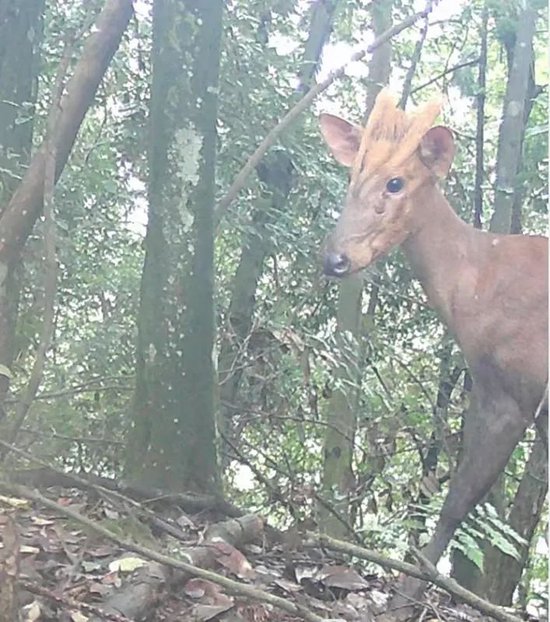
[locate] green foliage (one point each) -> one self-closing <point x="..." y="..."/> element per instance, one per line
<point x="486" y="526"/>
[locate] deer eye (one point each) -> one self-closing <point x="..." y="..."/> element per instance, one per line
<point x="395" y="185"/>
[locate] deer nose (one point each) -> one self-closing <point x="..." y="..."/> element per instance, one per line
<point x="336" y="264"/>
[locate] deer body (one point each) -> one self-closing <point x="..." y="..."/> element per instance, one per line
<point x="490" y="290"/>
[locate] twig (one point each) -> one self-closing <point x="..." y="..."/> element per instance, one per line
<point x="273" y="491"/>
<point x="277" y="495"/>
<point x="480" y="121"/>
<point x="90" y="440"/>
<point x="302" y="105"/>
<point x="415" y="379"/>
<point x="230" y="585"/>
<point x="70" y="603"/>
<point x="467" y="63"/>
<point x="303" y="420"/>
<point x="322" y="424"/>
<point x="76" y="391"/>
<point x="496" y="612"/>
<point x="428" y="573"/>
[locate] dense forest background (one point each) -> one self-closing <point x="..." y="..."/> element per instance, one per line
<point x="165" y="321"/>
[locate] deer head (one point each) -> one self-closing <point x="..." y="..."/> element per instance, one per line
<point x="391" y="159"/>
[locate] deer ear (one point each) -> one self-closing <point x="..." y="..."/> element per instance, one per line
<point x="437" y="150"/>
<point x="342" y="138"/>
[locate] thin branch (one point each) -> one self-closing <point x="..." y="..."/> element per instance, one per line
<point x="276" y="494"/>
<point x="230" y="585"/>
<point x="76" y="391"/>
<point x="415" y="379"/>
<point x="467" y="63"/>
<point x="302" y="105"/>
<point x="414" y="63"/>
<point x="62" y="600"/>
<point x="302" y="420"/>
<point x="480" y="121"/>
<point x="85" y="440"/>
<point x="428" y="573"/>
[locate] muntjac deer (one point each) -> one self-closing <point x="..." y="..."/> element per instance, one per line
<point x="490" y="290"/>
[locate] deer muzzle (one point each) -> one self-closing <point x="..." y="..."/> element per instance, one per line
<point x="336" y="264"/>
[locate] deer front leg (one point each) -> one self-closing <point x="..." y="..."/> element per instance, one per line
<point x="492" y="428"/>
<point x="541" y="421"/>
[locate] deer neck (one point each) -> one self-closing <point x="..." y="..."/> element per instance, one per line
<point x="443" y="253"/>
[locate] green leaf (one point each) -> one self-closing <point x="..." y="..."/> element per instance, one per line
<point x="469" y="546"/>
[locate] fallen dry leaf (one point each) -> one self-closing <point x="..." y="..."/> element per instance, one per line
<point x="208" y="612"/>
<point x="233" y="560"/>
<point x="209" y="592"/>
<point x="341" y="577"/>
<point x="127" y="564"/>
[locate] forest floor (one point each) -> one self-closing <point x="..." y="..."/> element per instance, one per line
<point x="90" y="554"/>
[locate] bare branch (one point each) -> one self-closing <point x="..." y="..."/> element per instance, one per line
<point x="452" y="69"/>
<point x="429" y="573"/>
<point x="414" y="63"/>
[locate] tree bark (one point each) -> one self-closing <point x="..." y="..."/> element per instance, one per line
<point x="18" y="55"/>
<point x="172" y="442"/>
<point x="513" y="120"/>
<point x="502" y="572"/>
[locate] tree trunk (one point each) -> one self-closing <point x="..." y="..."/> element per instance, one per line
<point x="20" y="38"/>
<point x="502" y="572"/>
<point x="512" y="126"/>
<point x="338" y="480"/>
<point x="172" y="442"/>
<point x="480" y="121"/>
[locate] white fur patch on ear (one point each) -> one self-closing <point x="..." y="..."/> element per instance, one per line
<point x="437" y="150"/>
<point x="343" y="138"/>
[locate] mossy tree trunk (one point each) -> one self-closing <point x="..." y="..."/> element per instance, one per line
<point x="502" y="572"/>
<point x="172" y="441"/>
<point x="20" y="36"/>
